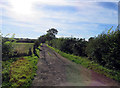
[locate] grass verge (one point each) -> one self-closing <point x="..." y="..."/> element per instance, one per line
<point x="113" y="74"/>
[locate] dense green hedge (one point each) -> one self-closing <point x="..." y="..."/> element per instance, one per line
<point x="105" y="49"/>
<point x="74" y="46"/>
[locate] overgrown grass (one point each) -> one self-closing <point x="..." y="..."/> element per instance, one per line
<point x="23" y="71"/>
<point x="19" y="72"/>
<point x="113" y="74"/>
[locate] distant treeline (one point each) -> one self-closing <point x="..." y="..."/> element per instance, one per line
<point x="21" y="40"/>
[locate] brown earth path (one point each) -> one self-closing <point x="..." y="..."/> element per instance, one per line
<point x="55" y="70"/>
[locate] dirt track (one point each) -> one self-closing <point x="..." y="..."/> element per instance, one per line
<point x="55" y="70"/>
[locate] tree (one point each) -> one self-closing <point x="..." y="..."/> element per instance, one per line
<point x="52" y="31"/>
<point x="51" y="34"/>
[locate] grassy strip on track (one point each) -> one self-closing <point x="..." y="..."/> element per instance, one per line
<point x="115" y="75"/>
<point x="49" y="54"/>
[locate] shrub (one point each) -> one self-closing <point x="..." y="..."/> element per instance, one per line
<point x="7" y="47"/>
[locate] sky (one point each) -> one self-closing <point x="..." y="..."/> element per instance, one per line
<point x="76" y="18"/>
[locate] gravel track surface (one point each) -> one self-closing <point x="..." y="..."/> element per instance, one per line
<point x="55" y="70"/>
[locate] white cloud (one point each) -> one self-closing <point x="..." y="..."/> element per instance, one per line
<point x="23" y="13"/>
<point x="24" y="10"/>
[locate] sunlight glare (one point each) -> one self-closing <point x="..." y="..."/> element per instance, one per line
<point x="22" y="7"/>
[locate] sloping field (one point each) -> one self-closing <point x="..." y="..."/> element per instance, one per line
<point x="23" y="48"/>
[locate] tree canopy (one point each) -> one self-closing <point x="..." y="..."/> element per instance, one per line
<point x="52" y="31"/>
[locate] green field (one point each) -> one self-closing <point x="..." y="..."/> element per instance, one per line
<point x="22" y="48"/>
